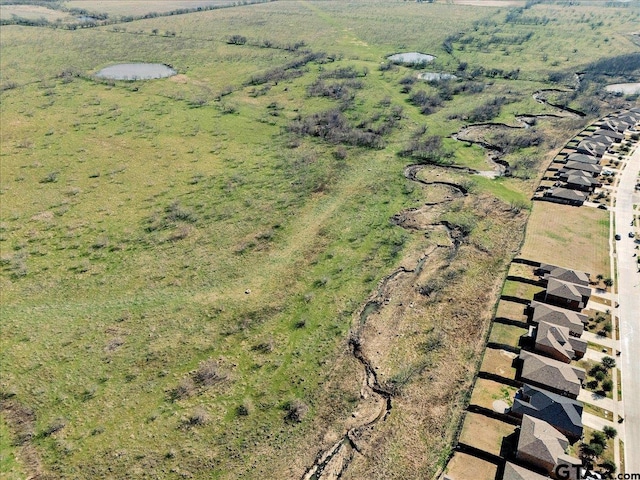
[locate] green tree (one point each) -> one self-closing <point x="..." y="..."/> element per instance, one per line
<point x="598" y="438"/>
<point x="608" y="363"/>
<point x="610" y="432"/>
<point x="609" y="466"/>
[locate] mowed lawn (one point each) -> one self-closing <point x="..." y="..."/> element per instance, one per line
<point x="574" y="237"/>
<point x="485" y="433"/>
<point x="468" y="467"/>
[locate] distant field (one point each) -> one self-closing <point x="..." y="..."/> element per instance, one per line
<point x="140" y="7"/>
<point x="569" y="236"/>
<point x="32" y="12"/>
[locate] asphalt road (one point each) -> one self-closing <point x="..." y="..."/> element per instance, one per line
<point x="629" y="310"/>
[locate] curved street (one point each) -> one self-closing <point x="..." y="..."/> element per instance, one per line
<point x="628" y="284"/>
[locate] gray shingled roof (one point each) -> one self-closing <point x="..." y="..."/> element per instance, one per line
<point x="541" y="441"/>
<point x="558" y="339"/>
<point x="609" y="133"/>
<point x="583" y="158"/>
<point x="553" y="374"/>
<point x="561" y="412"/>
<point x="568" y="290"/>
<point x="584" y="167"/>
<point x="516" y="472"/>
<point x="566" y="274"/>
<point x="581" y="180"/>
<point x="543" y="312"/>
<point x="567" y="194"/>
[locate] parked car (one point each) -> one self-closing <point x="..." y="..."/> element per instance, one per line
<point x="602" y="207"/>
<point x="618" y="237"/>
<point x="631" y="234"/>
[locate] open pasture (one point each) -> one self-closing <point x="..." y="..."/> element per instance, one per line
<point x="32" y="12"/>
<point x="121" y="8"/>
<point x="184" y="261"/>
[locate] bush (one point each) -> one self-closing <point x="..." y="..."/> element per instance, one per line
<point x="185" y="389"/>
<point x="198" y="417"/>
<point x="608" y="363"/>
<point x="296" y="411"/>
<point x="236" y="40"/>
<point x="209" y="373"/>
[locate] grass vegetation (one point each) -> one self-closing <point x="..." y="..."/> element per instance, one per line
<point x="568" y="236"/>
<point x="499" y="362"/>
<point x="486" y="392"/>
<point x="485" y="433"/>
<point x="467" y="466"/>
<point x="183" y="261"/>
<point x="506" y="334"/>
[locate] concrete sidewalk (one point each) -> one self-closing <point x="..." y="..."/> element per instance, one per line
<point x="597" y="423"/>
<point x="596" y="400"/>
<point x="604" y="341"/>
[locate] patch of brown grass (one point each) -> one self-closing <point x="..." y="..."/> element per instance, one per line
<point x="468" y="467"/>
<point x="575" y="237"/>
<point x="511" y="310"/>
<point x="485" y="392"/>
<point x="498" y="362"/>
<point x="485" y="433"/>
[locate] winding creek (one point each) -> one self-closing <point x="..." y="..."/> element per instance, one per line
<point x="333" y="462"/>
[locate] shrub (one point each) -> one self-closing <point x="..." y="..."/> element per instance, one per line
<point x="608" y="363"/>
<point x="237" y="40"/>
<point x="295" y="410"/>
<point x="198" y="417"/>
<point x="209" y="373"/>
<point x="185" y="389"/>
<point x="51" y="177"/>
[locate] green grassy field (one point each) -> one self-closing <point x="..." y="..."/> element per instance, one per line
<point x="182" y="265"/>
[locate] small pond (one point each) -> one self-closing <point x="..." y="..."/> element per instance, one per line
<point x="411" y="57"/>
<point x="626" y="88"/>
<point x="136" y="71"/>
<point x="436" y="77"/>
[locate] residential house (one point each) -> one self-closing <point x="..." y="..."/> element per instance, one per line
<point x="565" y="196"/>
<point x="543" y="312"/>
<point x="593" y="146"/>
<point x="583" y="158"/>
<point x="556" y="342"/>
<point x="578" y="181"/>
<point x="561" y="412"/>
<point x="516" y="472"/>
<point x="617" y="124"/>
<point x="585" y="168"/>
<point x="550" y="374"/>
<point x="544" y="447"/>
<point x="547" y="271"/>
<point x="614" y="136"/>
<point x="566" y="294"/>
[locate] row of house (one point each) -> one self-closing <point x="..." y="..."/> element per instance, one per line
<point x="579" y="173"/>
<point x="551" y="415"/>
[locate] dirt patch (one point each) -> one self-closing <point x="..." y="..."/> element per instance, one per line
<point x="21" y="421"/>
